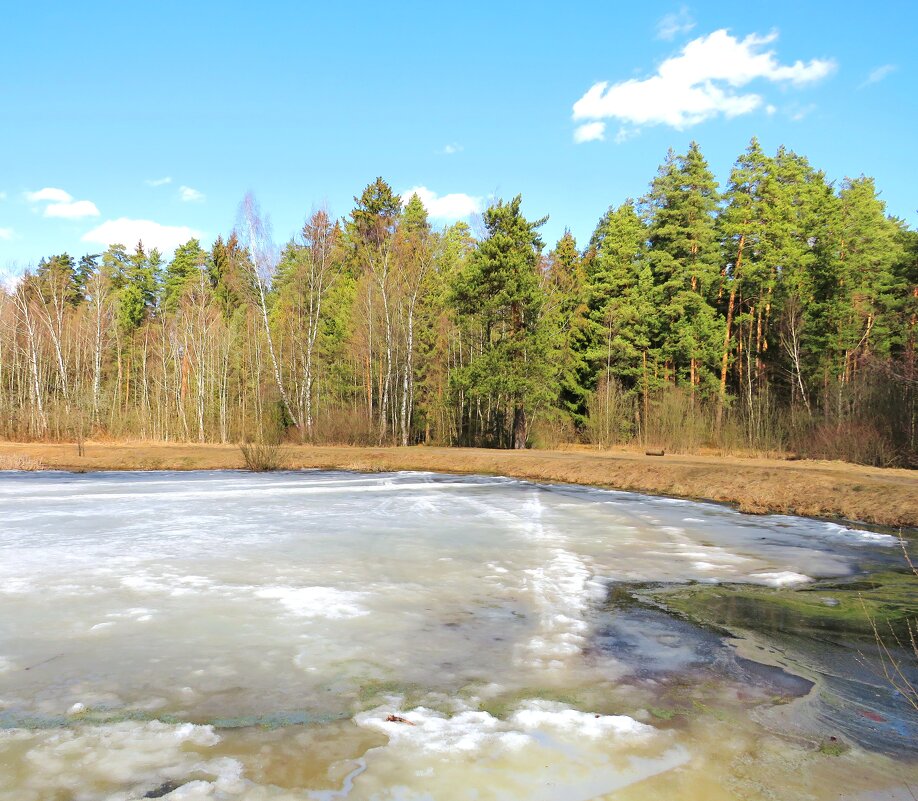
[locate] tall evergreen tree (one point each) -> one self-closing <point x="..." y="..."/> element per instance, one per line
<point x="186" y="266"/>
<point x="867" y="250"/>
<point x="500" y="284"/>
<point x="567" y="302"/>
<point x="745" y="240"/>
<point x="622" y="299"/>
<point x="684" y="259"/>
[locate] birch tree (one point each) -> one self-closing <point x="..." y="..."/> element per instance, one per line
<point x="254" y="235"/>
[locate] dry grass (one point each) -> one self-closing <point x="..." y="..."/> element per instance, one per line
<point x="19" y="461"/>
<point x="263" y="457"/>
<point x="757" y="485"/>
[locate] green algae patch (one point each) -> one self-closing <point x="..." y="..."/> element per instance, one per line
<point x="833" y="747"/>
<point x="375" y="692"/>
<point x="886" y="600"/>
<point x="503" y="706"/>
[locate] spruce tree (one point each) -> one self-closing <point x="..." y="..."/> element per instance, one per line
<point x="622" y="300"/>
<point x="500" y="284"/>
<point x="567" y="300"/>
<point x="186" y="266"/>
<point x="868" y="248"/>
<point x="684" y="260"/>
<point x="743" y="228"/>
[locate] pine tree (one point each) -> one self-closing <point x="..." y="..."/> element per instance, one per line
<point x="127" y="279"/>
<point x="567" y="301"/>
<point x="61" y="272"/>
<point x="744" y="236"/>
<point x="414" y="216"/>
<point x="801" y="209"/>
<point x="228" y="276"/>
<point x="867" y="250"/>
<point x="186" y="266"/>
<point x="500" y="284"/>
<point x="622" y="300"/>
<point x="684" y="261"/>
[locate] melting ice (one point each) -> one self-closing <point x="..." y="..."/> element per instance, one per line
<point x="163" y="632"/>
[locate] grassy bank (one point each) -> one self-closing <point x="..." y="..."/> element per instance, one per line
<point x="818" y="489"/>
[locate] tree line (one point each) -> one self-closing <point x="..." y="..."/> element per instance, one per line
<point x="775" y="315"/>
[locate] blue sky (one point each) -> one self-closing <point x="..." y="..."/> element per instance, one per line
<point x="101" y="103"/>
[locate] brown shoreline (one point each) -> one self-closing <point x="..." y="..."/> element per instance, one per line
<point x="878" y="496"/>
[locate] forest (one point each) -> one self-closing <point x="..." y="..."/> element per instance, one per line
<point x="775" y="315"/>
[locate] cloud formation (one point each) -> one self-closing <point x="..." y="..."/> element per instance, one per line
<point x="49" y="194"/>
<point x="451" y="148"/>
<point x="189" y="195"/>
<point x="699" y="83"/>
<point x="675" y="24"/>
<point x="61" y="204"/>
<point x="455" y="206"/>
<point x="127" y="232"/>
<point x="877" y="74"/>
<point x="7" y="233"/>
<point x="590" y="132"/>
<point x="158" y="181"/>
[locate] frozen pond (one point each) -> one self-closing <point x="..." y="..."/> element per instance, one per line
<point x="325" y="635"/>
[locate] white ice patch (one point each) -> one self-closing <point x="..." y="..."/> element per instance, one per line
<point x="541" y="715"/>
<point x="324" y="602"/>
<point x="856" y="535"/>
<point x="255" y="491"/>
<point x="91" y="762"/>
<point x="781" y="578"/>
<point x="561" y="591"/>
<point x="542" y="751"/>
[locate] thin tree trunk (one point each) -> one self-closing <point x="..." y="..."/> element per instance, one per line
<point x="724" y="359"/>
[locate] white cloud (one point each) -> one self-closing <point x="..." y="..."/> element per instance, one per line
<point x="698" y="84"/>
<point x="2" y="196"/>
<point x="675" y="24"/>
<point x="72" y="211"/>
<point x="61" y="204"/>
<point x="590" y="132"/>
<point x="158" y="181"/>
<point x="625" y="133"/>
<point x="451" y="148"/>
<point x="189" y="195"/>
<point x="456" y="206"/>
<point x="7" y="233"/>
<point x="128" y="232"/>
<point x="49" y="194"/>
<point x="877" y="74"/>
